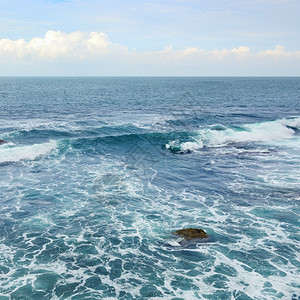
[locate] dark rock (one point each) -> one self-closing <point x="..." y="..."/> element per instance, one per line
<point x="2" y="142"/>
<point x="192" y="233"/>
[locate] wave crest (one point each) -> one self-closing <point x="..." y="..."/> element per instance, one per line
<point x="220" y="135"/>
<point x="14" y="153"/>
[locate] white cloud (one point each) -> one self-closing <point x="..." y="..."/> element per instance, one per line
<point x="96" y="48"/>
<point x="279" y="52"/>
<point x="239" y="54"/>
<point x="57" y="44"/>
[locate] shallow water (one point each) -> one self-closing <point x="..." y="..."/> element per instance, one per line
<point x="98" y="172"/>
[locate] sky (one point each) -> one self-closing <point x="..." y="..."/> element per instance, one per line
<point x="149" y="38"/>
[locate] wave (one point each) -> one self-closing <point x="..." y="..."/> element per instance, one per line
<point x="15" y="153"/>
<point x="220" y="135"/>
<point x="84" y="132"/>
<point x="79" y="128"/>
<point x="128" y="136"/>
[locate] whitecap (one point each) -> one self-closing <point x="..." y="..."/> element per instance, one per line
<point x="220" y="136"/>
<point x="16" y="153"/>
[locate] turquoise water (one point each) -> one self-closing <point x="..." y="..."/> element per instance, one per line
<point x="98" y="172"/>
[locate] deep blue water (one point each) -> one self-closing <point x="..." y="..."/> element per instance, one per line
<point x="98" y="172"/>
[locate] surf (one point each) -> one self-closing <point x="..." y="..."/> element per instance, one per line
<point x="15" y="153"/>
<point x="218" y="135"/>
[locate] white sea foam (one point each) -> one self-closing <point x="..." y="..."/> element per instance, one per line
<point x="148" y="236"/>
<point x="220" y="136"/>
<point x="14" y="153"/>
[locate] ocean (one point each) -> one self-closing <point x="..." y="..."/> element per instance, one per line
<point x="98" y="172"/>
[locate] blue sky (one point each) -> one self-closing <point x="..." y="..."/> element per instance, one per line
<point x="134" y="29"/>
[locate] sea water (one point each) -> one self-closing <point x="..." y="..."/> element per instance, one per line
<point x="97" y="174"/>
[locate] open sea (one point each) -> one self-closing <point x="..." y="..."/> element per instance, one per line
<point x="97" y="173"/>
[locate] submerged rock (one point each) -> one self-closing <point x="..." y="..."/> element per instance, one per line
<point x="2" y="142"/>
<point x="192" y="233"/>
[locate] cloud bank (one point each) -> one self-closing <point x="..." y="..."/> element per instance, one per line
<point x="80" y="53"/>
<point x="56" y="44"/>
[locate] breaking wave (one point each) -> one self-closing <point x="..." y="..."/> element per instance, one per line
<point x="16" y="153"/>
<point x="220" y="135"/>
